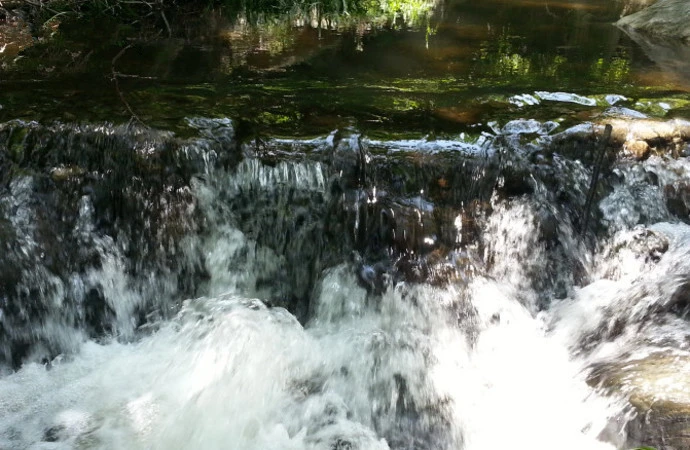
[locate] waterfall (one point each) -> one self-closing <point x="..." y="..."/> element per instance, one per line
<point x="331" y="293"/>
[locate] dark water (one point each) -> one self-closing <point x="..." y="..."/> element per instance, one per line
<point x="444" y="72"/>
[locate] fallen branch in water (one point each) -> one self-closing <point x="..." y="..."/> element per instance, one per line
<point x="632" y="133"/>
<point x="596" y="171"/>
<point x="117" y="75"/>
<point x="649" y="130"/>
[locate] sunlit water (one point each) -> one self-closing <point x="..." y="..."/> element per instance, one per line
<point x="471" y="365"/>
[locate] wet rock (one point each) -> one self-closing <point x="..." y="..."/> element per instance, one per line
<point x="650" y="131"/>
<point x="566" y="98"/>
<point x="666" y="18"/>
<point x="680" y="300"/>
<point x="69" y="425"/>
<point x="645" y="245"/>
<point x="678" y="200"/>
<point x="648" y="244"/>
<point x="548" y="227"/>
<point x="684" y="151"/>
<point x="341" y="444"/>
<point x="623" y="113"/>
<point x="520" y="126"/>
<point x="514" y="182"/>
<point x="224" y="148"/>
<point x="612" y="99"/>
<point x="671" y="55"/>
<point x="658" y="389"/>
<point x="373" y="278"/>
<point x="75" y="199"/>
<point x="638" y="149"/>
<point x="437" y="269"/>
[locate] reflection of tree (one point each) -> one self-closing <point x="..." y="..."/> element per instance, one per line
<point x="615" y="69"/>
<point x="281" y="28"/>
<point x="502" y="56"/>
<point x="334" y="14"/>
<point x="672" y="57"/>
<point x="511" y="57"/>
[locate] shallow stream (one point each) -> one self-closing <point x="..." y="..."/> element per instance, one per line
<point x="346" y="235"/>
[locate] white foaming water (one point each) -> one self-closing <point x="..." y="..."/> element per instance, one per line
<point x="637" y="271"/>
<point x="467" y="366"/>
<point x="421" y="367"/>
<point x="229" y="373"/>
<point x="630" y="287"/>
<point x="628" y="321"/>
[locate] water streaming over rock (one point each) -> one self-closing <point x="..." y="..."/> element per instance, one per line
<point x="333" y="293"/>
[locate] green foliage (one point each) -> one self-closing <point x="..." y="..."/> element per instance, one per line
<point x="254" y="11"/>
<point x="614" y="70"/>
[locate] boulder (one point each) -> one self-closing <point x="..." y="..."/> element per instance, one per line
<point x="672" y="56"/>
<point x="633" y="6"/>
<point x="667" y="18"/>
<point x="658" y="389"/>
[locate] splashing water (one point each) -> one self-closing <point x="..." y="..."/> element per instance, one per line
<point x="476" y="363"/>
<point x="420" y="367"/>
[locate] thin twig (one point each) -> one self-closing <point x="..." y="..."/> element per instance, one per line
<point x="140" y="77"/>
<point x="598" y="162"/>
<point x="119" y="55"/>
<point x="115" y="78"/>
<point x="167" y="25"/>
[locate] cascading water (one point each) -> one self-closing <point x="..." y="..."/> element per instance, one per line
<point x="467" y="318"/>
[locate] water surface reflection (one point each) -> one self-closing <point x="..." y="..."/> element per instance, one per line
<point x="440" y="68"/>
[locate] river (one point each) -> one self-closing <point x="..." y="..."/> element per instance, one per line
<point x="408" y="233"/>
